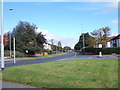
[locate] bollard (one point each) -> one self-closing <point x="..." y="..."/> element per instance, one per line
<point x="100" y="54"/>
<point x="75" y="54"/>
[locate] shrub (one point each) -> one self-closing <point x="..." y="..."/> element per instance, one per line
<point x="18" y="54"/>
<point x="103" y="50"/>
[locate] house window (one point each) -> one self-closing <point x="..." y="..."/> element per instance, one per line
<point x="114" y="44"/>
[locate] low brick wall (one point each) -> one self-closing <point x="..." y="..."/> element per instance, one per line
<point x="36" y="55"/>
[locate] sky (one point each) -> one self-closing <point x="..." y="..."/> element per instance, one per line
<point x="62" y="21"/>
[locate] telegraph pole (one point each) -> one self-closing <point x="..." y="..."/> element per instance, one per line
<point x="10" y="32"/>
<point x="83" y="39"/>
<point x="14" y="49"/>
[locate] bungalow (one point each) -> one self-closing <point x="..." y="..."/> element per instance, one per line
<point x="115" y="41"/>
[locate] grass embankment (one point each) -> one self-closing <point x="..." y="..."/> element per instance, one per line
<point x="66" y="74"/>
<point x="25" y="58"/>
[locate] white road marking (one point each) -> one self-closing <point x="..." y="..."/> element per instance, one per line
<point x="61" y="60"/>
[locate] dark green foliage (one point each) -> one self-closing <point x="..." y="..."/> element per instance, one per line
<point x="54" y="47"/>
<point x="59" y="48"/>
<point x="27" y="38"/>
<point x="88" y="41"/>
<point x="18" y="54"/>
<point x="48" y="51"/>
<point x="66" y="48"/>
<point x="103" y="50"/>
<point x="40" y="39"/>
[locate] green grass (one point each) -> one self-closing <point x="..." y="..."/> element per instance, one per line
<point x="66" y="74"/>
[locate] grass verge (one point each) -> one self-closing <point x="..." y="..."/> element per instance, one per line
<point x="26" y="58"/>
<point x="66" y="74"/>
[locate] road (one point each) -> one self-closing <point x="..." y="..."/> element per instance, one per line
<point x="65" y="57"/>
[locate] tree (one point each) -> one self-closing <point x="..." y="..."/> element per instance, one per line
<point x="27" y="39"/>
<point x="6" y="41"/>
<point x="101" y="35"/>
<point x="88" y="41"/>
<point x="52" y="41"/>
<point x="67" y="48"/>
<point x="59" y="48"/>
<point x="40" y="38"/>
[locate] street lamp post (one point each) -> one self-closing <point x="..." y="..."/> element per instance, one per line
<point x="83" y="38"/>
<point x="14" y="49"/>
<point x="10" y="31"/>
<point x="2" y="34"/>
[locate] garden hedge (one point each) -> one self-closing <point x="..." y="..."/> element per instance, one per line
<point x="103" y="50"/>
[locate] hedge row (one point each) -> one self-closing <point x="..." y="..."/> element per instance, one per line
<point x="103" y="50"/>
<point x="18" y="54"/>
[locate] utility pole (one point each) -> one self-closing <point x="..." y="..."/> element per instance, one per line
<point x="2" y="35"/>
<point x="83" y="39"/>
<point x="10" y="31"/>
<point x="14" y="49"/>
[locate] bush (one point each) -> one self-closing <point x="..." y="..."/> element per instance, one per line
<point x="103" y="50"/>
<point x="18" y="54"/>
<point x="49" y="51"/>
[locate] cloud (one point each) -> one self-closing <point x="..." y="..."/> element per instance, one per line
<point x="113" y="34"/>
<point x="48" y="35"/>
<point x="109" y="7"/>
<point x="65" y="41"/>
<point x="114" y="21"/>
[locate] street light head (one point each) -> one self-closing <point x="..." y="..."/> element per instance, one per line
<point x="11" y="9"/>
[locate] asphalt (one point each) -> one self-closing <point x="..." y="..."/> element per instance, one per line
<point x="9" y="63"/>
<point x="14" y="85"/>
<point x="65" y="57"/>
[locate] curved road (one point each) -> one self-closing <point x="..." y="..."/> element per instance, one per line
<point x="65" y="57"/>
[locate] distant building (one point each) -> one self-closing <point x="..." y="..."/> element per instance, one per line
<point x="47" y="46"/>
<point x="115" y="41"/>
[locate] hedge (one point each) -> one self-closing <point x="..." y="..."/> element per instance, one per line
<point x="18" y="54"/>
<point x="103" y="50"/>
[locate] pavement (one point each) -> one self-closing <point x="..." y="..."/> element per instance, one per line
<point x="14" y="85"/>
<point x="65" y="57"/>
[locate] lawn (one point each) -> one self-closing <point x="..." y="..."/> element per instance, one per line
<point x="66" y="74"/>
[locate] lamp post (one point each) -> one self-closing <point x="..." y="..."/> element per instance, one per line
<point x="2" y="34"/>
<point x="14" y="49"/>
<point x="83" y="38"/>
<point x="10" y="31"/>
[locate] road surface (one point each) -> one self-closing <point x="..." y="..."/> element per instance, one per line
<point x="65" y="57"/>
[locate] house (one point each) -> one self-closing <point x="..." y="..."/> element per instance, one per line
<point x="107" y="45"/>
<point x="115" y="41"/>
<point x="47" y="46"/>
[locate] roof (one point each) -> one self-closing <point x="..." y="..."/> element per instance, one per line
<point x="115" y="37"/>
